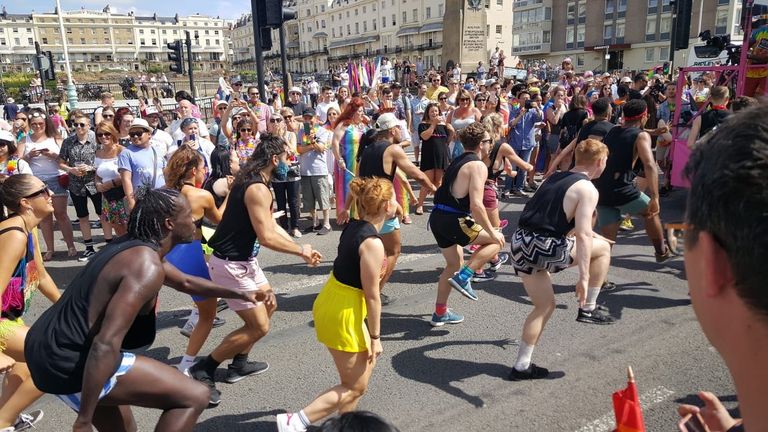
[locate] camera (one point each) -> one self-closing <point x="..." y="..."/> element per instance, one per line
<point x="717" y="44"/>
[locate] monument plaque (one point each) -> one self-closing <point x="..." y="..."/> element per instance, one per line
<point x="470" y="45"/>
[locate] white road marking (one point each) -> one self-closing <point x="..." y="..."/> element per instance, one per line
<point x="648" y="399"/>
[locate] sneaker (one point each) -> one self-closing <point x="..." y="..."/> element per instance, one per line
<point x="519" y="193"/>
<point x="626" y="225"/>
<point x="450" y="317"/>
<point x="198" y="374"/>
<point x="660" y="258"/>
<point x="86" y="255"/>
<point x="533" y="372"/>
<point x="218" y="322"/>
<point x="289" y="422"/>
<point x="221" y="305"/>
<point x="597" y="316"/>
<point x="503" y="224"/>
<point x="235" y="374"/>
<point x="502" y="258"/>
<point x="385" y="299"/>
<point x="324" y="230"/>
<point x="471" y="248"/>
<point x="464" y="288"/>
<point x="608" y="286"/>
<point x="484" y="276"/>
<point x="530" y="189"/>
<point x="27" y="420"/>
<point x="295" y="233"/>
<point x="189" y="326"/>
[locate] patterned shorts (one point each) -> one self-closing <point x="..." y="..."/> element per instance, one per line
<point x="115" y="211"/>
<point x="532" y="253"/>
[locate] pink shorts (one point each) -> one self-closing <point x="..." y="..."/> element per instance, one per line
<point x="490" y="201"/>
<point x="238" y="275"/>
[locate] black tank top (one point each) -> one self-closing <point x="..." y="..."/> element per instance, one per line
<point x="234" y="237"/>
<point x="493" y="175"/>
<point x="57" y="345"/>
<point x="346" y="266"/>
<point x="443" y="195"/>
<point x="615" y="185"/>
<point x="544" y="213"/>
<point x="372" y="161"/>
<point x="711" y="119"/>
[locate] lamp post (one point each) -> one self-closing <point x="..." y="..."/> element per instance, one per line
<point x="71" y="90"/>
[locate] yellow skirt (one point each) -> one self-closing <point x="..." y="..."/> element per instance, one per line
<point x="7" y="328"/>
<point x="339" y="311"/>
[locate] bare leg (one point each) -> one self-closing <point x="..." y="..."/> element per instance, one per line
<point x="85" y="228"/>
<point x="610" y="231"/>
<point x="120" y="229"/>
<point x="454" y="259"/>
<point x="256" y="326"/>
<point x="46" y="226"/>
<point x="182" y="400"/>
<point x="114" y="419"/>
<point x="354" y="370"/>
<point x="60" y="213"/>
<point x="423" y="191"/>
<point x="392" y="248"/>
<point x="19" y="391"/>
<point x="207" y="313"/>
<point x="539" y="289"/>
<point x="106" y="226"/>
<point x="488" y="249"/>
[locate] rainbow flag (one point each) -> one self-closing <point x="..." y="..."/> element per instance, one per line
<point x="400" y="183"/>
<point x="348" y="146"/>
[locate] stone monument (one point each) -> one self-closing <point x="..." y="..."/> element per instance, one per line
<point x="464" y="37"/>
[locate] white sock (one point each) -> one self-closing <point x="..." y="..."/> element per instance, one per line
<point x="304" y="419"/>
<point x="186" y="362"/>
<point x="524" y="354"/>
<point x="591" y="302"/>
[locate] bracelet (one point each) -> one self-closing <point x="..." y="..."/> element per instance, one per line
<point x="375" y="337"/>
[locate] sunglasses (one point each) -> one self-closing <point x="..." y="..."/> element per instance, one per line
<point x="103" y="134"/>
<point x="135" y="134"/>
<point x="4" y="143"/>
<point x="37" y="124"/>
<point x="481" y="100"/>
<point x="442" y="98"/>
<point x="295" y="93"/>
<point x="276" y="120"/>
<point x="108" y="116"/>
<point x="222" y="108"/>
<point x="81" y="125"/>
<point x="237" y="85"/>
<point x="44" y="190"/>
<point x="486" y="141"/>
<point x="246" y="130"/>
<point x="437" y="81"/>
<point x="288" y="117"/>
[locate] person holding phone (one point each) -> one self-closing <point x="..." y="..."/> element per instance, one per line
<point x="523" y="123"/>
<point x="313" y="144"/>
<point x="435" y="134"/>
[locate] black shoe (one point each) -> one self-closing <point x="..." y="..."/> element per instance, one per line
<point x="608" y="286"/>
<point x="597" y="316"/>
<point x="386" y="300"/>
<point x="533" y="372"/>
<point x="198" y="374"/>
<point x="221" y="305"/>
<point x="235" y="374"/>
<point x="660" y="258"/>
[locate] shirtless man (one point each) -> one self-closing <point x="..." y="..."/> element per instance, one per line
<point x="75" y="349"/>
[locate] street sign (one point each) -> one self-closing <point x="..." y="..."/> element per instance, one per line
<point x="41" y="63"/>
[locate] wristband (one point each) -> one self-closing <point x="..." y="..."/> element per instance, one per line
<point x="375" y="337"/>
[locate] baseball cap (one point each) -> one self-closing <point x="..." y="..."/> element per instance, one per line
<point x="237" y="79"/>
<point x="606" y="75"/>
<point x="387" y="121"/>
<point x="295" y="90"/>
<point x="626" y="80"/>
<point x="221" y="102"/>
<point x="308" y="112"/>
<point x="140" y="124"/>
<point x="7" y="136"/>
<point x="151" y="110"/>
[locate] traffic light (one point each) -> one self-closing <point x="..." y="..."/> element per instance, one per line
<point x="50" y="74"/>
<point x="683" y="11"/>
<point x="273" y="14"/>
<point x="266" y="38"/>
<point x="176" y="57"/>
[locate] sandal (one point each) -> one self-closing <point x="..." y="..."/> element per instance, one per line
<point x="407" y="220"/>
<point x="419" y="211"/>
<point x="48" y="256"/>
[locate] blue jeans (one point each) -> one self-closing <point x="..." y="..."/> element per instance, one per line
<point x="518" y="181"/>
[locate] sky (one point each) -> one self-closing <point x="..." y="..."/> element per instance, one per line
<point x="227" y="9"/>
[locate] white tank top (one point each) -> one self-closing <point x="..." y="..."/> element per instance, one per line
<point x="106" y="169"/>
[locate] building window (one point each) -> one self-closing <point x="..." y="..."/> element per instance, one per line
<point x="415" y="14"/>
<point x="31" y="41"/>
<point x="620" y="29"/>
<point x="610" y="6"/>
<point x="498" y="30"/>
<point x="82" y="41"/>
<point x="349" y="31"/>
<point x="141" y="41"/>
<point x="357" y="12"/>
<point x="357" y="28"/>
<point x="374" y="24"/>
<point x="721" y="21"/>
<point x="580" y="33"/>
<point x="622" y="6"/>
<point x="650" y="55"/>
<point x="665" y="27"/>
<point x="653" y="3"/>
<point x="405" y="17"/>
<point x="650" y="28"/>
<point x="394" y="20"/>
<point x="323" y="23"/>
<point x="547" y="37"/>
<point x="582" y="12"/>
<point x="383" y="22"/>
<point x="571" y="12"/>
<point x="580" y="61"/>
<point x="664" y="53"/>
<point x="428" y="12"/>
<point x="608" y="31"/>
<point x="365" y="26"/>
<point x="141" y="31"/>
<point x="45" y="40"/>
<point x="365" y="10"/>
<point x="500" y="2"/>
<point x="570" y="35"/>
<point x="440" y="10"/>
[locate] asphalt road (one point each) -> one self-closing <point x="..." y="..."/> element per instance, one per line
<point x="453" y="376"/>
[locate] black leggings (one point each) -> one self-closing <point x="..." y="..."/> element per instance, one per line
<point x="288" y="192"/>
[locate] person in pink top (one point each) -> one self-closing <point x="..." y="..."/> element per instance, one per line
<point x="262" y="111"/>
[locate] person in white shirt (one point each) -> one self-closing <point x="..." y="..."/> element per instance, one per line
<point x="327" y="101"/>
<point x="495" y="58"/>
<point x="386" y="71"/>
<point x="161" y="140"/>
<point x="190" y="128"/>
<point x="457" y="73"/>
<point x="185" y="111"/>
<point x="344" y="78"/>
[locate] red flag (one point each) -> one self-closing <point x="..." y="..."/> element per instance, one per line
<point x="626" y="407"/>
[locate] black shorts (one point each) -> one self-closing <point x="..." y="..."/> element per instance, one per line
<point x="451" y="229"/>
<point x="81" y="204"/>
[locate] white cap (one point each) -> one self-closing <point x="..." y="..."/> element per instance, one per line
<point x="221" y="102"/>
<point x="140" y="123"/>
<point x="626" y="80"/>
<point x="151" y="110"/>
<point x="295" y="90"/>
<point x="7" y="136"/>
<point x="387" y="121"/>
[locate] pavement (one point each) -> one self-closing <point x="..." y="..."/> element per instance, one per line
<point x="453" y="376"/>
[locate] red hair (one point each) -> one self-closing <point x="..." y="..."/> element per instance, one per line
<point x="345" y="118"/>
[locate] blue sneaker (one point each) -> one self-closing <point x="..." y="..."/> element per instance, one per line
<point x="464" y="288"/>
<point x="450" y="317"/>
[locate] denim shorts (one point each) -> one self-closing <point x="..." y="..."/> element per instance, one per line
<point x="54" y="186"/>
<point x="610" y="215"/>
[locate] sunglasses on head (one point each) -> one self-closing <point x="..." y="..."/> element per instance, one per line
<point x="81" y="125"/>
<point x="37" y="115"/>
<point x="44" y="190"/>
<point x="135" y="134"/>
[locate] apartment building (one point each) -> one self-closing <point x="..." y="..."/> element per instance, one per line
<point x="102" y="40"/>
<point x="244" y="52"/>
<point x="612" y="34"/>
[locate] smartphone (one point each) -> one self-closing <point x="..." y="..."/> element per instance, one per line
<point x="528" y="104"/>
<point x="692" y="423"/>
<point x="192" y="137"/>
<point x="307" y="129"/>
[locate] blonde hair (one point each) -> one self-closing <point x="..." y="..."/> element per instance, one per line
<point x="590" y="151"/>
<point x="370" y="195"/>
<point x="493" y="125"/>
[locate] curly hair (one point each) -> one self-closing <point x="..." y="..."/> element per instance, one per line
<point x="371" y="194"/>
<point x="472" y="135"/>
<point x="181" y="163"/>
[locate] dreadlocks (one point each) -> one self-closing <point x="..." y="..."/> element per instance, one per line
<point x="153" y="207"/>
<point x="269" y="145"/>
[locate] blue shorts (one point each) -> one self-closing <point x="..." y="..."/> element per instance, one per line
<point x="189" y="259"/>
<point x="390" y="225"/>
<point x="73" y="400"/>
<point x="53" y="184"/>
<point x="609" y="215"/>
